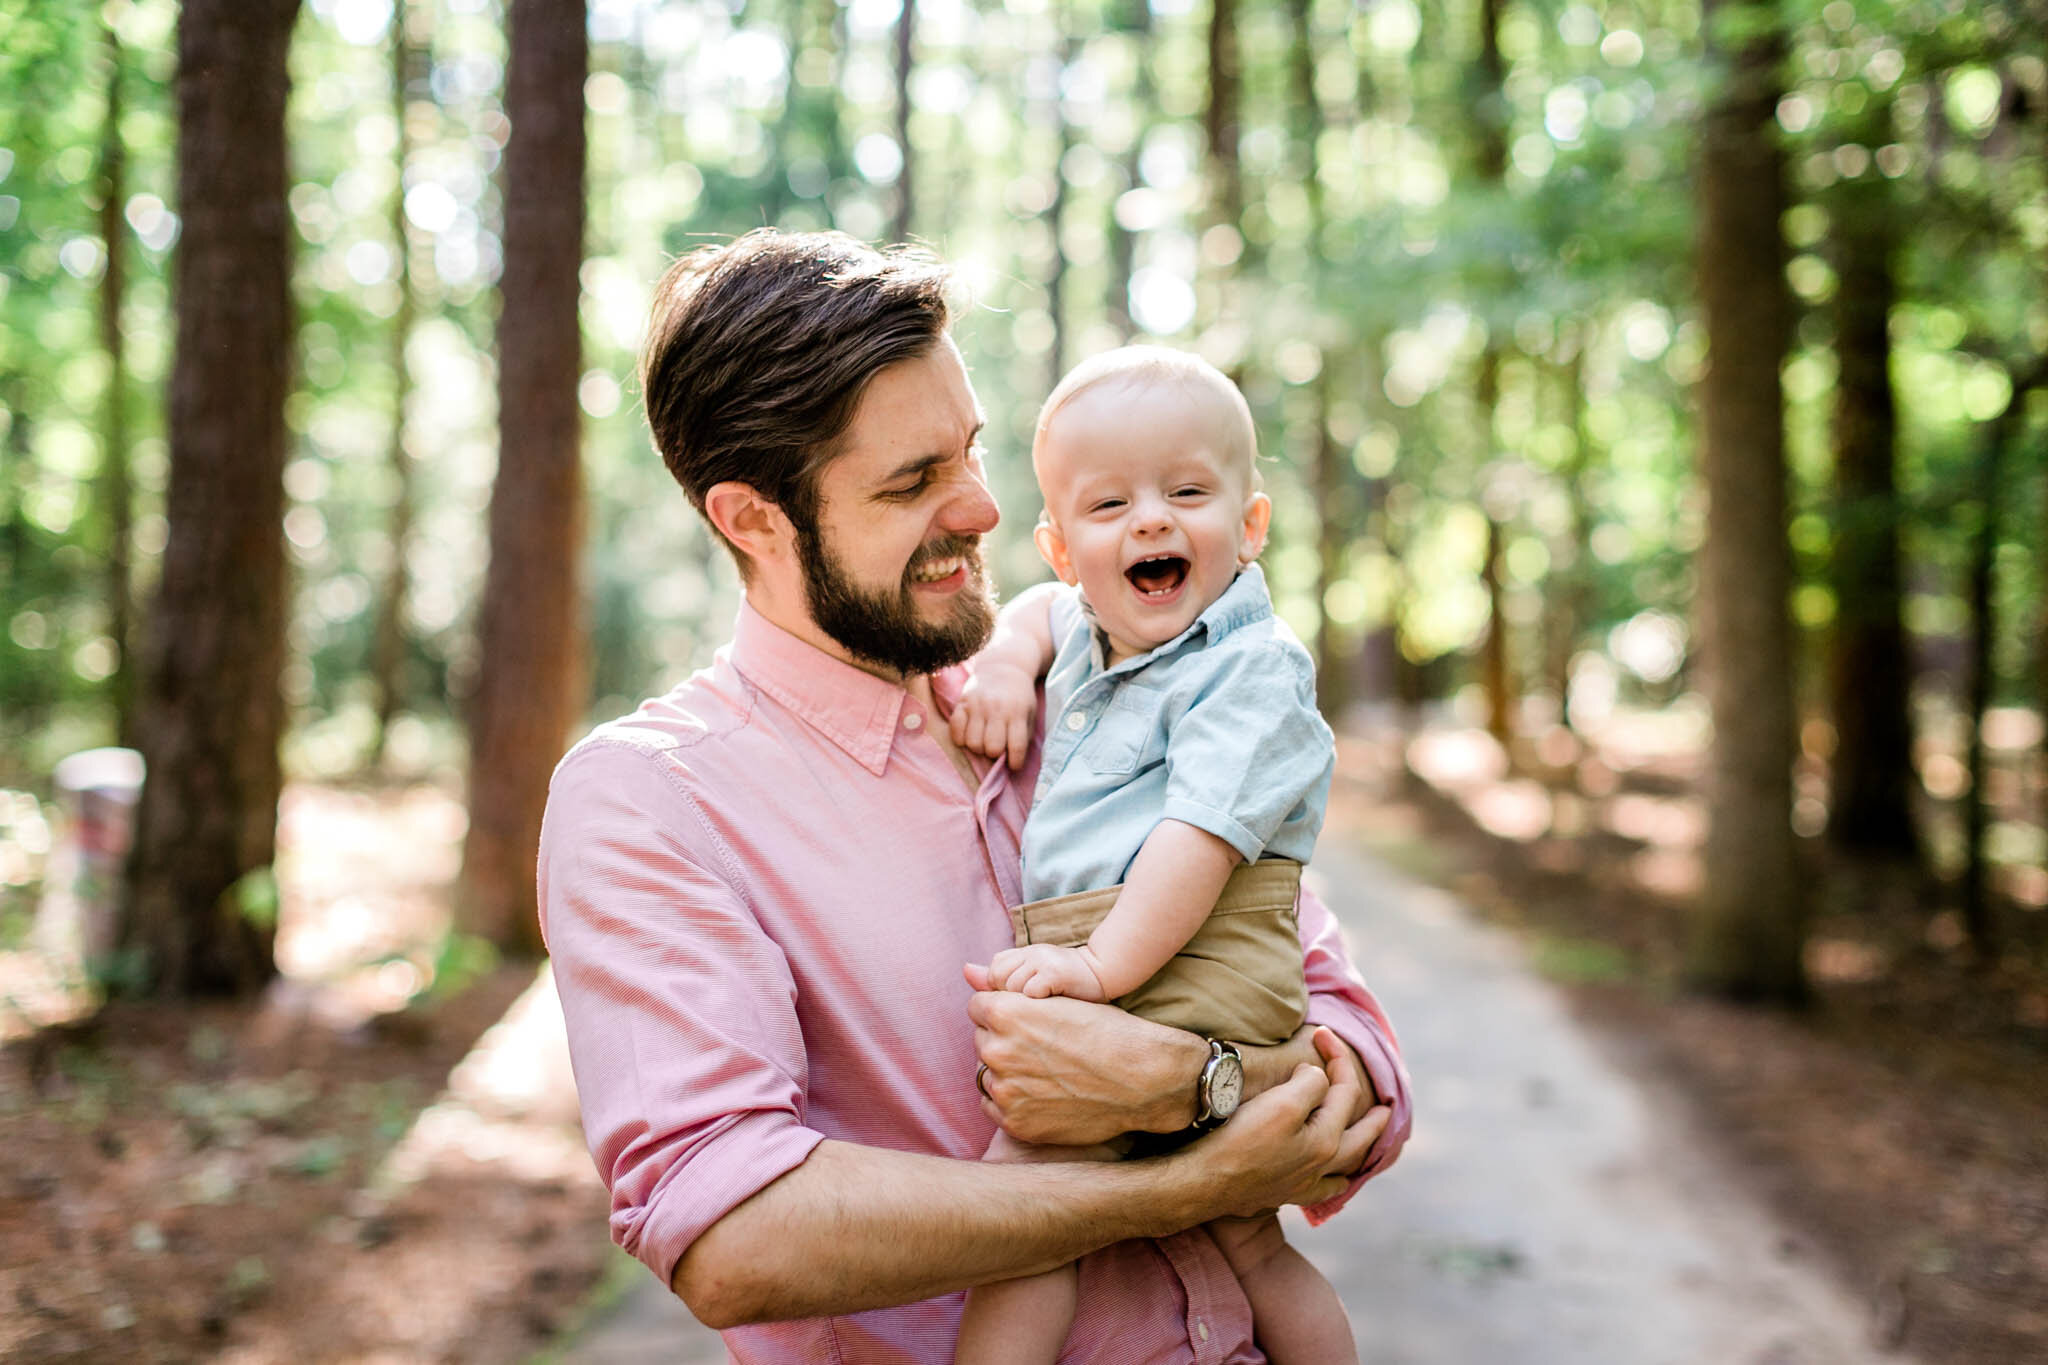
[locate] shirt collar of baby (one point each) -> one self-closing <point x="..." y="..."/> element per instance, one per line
<point x="1243" y="602"/>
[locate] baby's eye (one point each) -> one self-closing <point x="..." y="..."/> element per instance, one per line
<point x="1190" y="491"/>
<point x="1107" y="505"/>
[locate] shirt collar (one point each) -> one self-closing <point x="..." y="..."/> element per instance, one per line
<point x="855" y="710"/>
<point x="1243" y="602"/>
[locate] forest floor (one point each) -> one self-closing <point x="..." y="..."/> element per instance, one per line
<point x="296" y="1180"/>
<point x="215" y="1182"/>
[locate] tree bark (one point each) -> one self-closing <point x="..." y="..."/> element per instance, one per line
<point x="115" y="485"/>
<point x="211" y="711"/>
<point x="1220" y="117"/>
<point x="1570" y="582"/>
<point x="1750" y="926"/>
<point x="1873" y="778"/>
<point x="1056" y="218"/>
<point x="388" y="643"/>
<point x="1123" y="243"/>
<point x="529" y="680"/>
<point x="1490" y="155"/>
<point x="906" y="189"/>
<point x="1979" y="923"/>
<point x="1331" y="474"/>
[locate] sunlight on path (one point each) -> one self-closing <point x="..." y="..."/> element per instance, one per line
<point x="1548" y="1209"/>
<point x="511" y="1102"/>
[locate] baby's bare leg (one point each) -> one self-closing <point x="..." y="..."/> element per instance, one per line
<point x="1297" y="1317"/>
<point x="1023" y="1321"/>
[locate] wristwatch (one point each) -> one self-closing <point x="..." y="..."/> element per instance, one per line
<point x="1221" y="1088"/>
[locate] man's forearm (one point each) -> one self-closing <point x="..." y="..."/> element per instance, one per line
<point x="855" y="1227"/>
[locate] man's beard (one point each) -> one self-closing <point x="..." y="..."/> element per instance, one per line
<point x="884" y="628"/>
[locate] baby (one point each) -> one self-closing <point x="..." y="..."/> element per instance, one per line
<point x="1183" y="780"/>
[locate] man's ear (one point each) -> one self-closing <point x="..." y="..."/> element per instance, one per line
<point x="756" y="527"/>
<point x="1258" y="519"/>
<point x="1053" y="547"/>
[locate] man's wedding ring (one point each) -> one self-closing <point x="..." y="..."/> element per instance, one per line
<point x="981" y="1082"/>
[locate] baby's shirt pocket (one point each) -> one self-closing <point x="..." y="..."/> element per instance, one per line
<point x="1127" y="738"/>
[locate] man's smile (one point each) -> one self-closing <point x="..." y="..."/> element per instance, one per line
<point x="939" y="570"/>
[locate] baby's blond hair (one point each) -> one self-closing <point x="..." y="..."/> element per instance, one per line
<point x="1153" y="365"/>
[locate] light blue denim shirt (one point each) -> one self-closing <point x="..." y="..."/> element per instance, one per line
<point x="1217" y="728"/>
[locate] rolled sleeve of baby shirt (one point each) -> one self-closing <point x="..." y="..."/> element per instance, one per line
<point x="1249" y="750"/>
<point x="689" y="1062"/>
<point x="1339" y="1000"/>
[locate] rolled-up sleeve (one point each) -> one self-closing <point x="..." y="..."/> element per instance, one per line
<point x="1339" y="1000"/>
<point x="681" y="1012"/>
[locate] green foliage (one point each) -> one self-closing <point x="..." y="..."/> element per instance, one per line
<point x="1372" y="274"/>
<point x="55" y="652"/>
<point x="253" y="897"/>
<point x="459" y="960"/>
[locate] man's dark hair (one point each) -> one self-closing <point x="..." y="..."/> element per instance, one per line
<point x="758" y="352"/>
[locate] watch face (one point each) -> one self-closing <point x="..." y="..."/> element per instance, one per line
<point x="1227" y="1089"/>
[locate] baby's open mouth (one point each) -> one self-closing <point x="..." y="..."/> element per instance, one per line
<point x="1159" y="575"/>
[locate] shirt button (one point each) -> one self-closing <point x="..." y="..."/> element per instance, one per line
<point x="1201" y="1329"/>
<point x="912" y="720"/>
<point x="1075" y="720"/>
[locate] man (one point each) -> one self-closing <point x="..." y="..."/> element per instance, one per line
<point x="760" y="890"/>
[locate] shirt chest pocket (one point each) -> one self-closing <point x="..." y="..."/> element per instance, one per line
<point x="1128" y="737"/>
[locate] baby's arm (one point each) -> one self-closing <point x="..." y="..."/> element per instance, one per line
<point x="1172" y="886"/>
<point x="999" y="706"/>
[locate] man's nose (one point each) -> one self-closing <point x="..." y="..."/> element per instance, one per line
<point x="972" y="509"/>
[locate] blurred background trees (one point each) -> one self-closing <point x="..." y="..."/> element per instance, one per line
<point x="1507" y="284"/>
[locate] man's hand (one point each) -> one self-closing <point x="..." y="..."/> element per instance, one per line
<point x="1071" y="1072"/>
<point x="1295" y="1144"/>
<point x="997" y="710"/>
<point x="1042" y="969"/>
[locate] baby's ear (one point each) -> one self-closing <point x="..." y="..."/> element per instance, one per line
<point x="1258" y="519"/>
<point x="1053" y="547"/>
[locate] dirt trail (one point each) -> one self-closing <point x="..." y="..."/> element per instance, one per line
<point x="1551" y="1209"/>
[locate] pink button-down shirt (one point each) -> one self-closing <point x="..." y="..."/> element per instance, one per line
<point x="757" y="891"/>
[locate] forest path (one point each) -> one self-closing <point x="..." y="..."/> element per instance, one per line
<point x="1551" y="1208"/>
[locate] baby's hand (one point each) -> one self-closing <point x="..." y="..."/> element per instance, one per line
<point x="996" y="712"/>
<point x="1041" y="969"/>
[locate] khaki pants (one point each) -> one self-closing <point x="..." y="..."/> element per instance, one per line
<point x="1239" y="978"/>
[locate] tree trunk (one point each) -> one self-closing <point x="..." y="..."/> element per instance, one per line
<point x="1123" y="243"/>
<point x="1750" y="927"/>
<point x="1055" y="222"/>
<point x="1570" y="582"/>
<point x="1220" y="115"/>
<point x="388" y="643"/>
<point x="115" y="484"/>
<point x="1490" y="155"/>
<point x="1330" y="476"/>
<point x="906" y="194"/>
<point x="202" y="909"/>
<point x="1873" y="777"/>
<point x="1978" y="922"/>
<point x="530" y="644"/>
<point x="1494" y="676"/>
